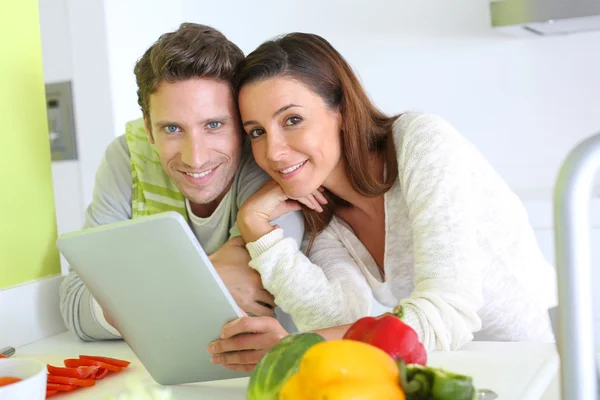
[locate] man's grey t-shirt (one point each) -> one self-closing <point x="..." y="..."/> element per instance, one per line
<point x="112" y="203"/>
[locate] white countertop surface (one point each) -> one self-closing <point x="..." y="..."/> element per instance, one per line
<point x="516" y="371"/>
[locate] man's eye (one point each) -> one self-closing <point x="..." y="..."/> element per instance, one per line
<point x="291" y="121"/>
<point x="171" y="128"/>
<point x="214" y="124"/>
<point x="255" y="133"/>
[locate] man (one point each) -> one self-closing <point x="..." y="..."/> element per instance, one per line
<point x="187" y="154"/>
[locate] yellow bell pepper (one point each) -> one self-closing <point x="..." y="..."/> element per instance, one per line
<point x="344" y="369"/>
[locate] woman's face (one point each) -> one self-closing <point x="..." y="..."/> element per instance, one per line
<point x="295" y="135"/>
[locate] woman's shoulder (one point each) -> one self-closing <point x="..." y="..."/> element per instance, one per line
<point x="418" y="134"/>
<point x="411" y="123"/>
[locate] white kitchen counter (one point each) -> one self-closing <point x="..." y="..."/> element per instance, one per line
<point x="516" y="371"/>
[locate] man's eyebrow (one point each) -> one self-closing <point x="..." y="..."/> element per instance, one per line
<point x="204" y="121"/>
<point x="275" y="114"/>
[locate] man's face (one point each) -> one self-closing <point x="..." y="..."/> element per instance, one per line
<point x="194" y="125"/>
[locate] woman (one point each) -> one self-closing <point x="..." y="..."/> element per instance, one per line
<point x="401" y="208"/>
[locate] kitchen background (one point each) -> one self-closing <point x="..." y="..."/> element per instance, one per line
<point x="523" y="101"/>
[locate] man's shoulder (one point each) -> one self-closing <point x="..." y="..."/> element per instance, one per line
<point x="249" y="176"/>
<point x="118" y="149"/>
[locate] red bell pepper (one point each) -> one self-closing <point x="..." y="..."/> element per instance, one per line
<point x="78" y="372"/>
<point x="7" y="380"/>
<point x="78" y="362"/>
<point x="60" y="387"/>
<point x="71" y="381"/>
<point x="112" y="361"/>
<point x="391" y="335"/>
<point x="102" y="372"/>
<point x="50" y="393"/>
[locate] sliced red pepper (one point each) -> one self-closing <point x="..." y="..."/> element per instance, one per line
<point x="50" y="393"/>
<point x="60" y="387"/>
<point x="2" y="356"/>
<point x="102" y="372"/>
<point x="391" y="335"/>
<point x="71" y="381"/>
<point x="112" y="361"/>
<point x="7" y="380"/>
<point x="78" y="372"/>
<point x="77" y="362"/>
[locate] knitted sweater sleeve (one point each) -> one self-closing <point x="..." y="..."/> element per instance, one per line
<point x="326" y="290"/>
<point x="437" y="171"/>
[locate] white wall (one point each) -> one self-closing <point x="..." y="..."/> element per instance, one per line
<point x="127" y="40"/>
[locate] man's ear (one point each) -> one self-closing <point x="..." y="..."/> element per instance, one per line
<point x="148" y="130"/>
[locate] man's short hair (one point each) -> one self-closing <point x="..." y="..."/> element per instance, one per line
<point x="192" y="51"/>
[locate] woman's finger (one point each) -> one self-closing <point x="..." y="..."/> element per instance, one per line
<point x="317" y="205"/>
<point x="319" y="197"/>
<point x="310" y="202"/>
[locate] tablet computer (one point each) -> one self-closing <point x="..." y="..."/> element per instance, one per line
<point x="153" y="278"/>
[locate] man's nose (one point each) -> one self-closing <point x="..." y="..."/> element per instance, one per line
<point x="193" y="151"/>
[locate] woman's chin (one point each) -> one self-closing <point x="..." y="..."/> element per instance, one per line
<point x="295" y="192"/>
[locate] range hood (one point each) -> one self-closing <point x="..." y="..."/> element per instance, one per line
<point x="545" y="17"/>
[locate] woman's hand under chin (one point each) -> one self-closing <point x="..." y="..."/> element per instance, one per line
<point x="268" y="204"/>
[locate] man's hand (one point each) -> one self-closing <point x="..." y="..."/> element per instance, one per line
<point x="243" y="282"/>
<point x="245" y="341"/>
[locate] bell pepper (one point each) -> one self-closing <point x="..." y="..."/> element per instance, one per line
<point x="344" y="369"/>
<point x="102" y="372"/>
<point x="77" y="372"/>
<point x="60" y="387"/>
<point x="64" y="380"/>
<point x="78" y="362"/>
<point x="112" y="361"/>
<point x="420" y="382"/>
<point x="7" y="380"/>
<point x="391" y="335"/>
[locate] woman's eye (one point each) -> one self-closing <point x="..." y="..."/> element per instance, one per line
<point x="254" y="133"/>
<point x="171" y="128"/>
<point x="214" y="124"/>
<point x="291" y="121"/>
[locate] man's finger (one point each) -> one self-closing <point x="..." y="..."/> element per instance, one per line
<point x="239" y="367"/>
<point x="257" y="309"/>
<point x="265" y="297"/>
<point x="243" y="342"/>
<point x="248" y="324"/>
<point x="247" y="357"/>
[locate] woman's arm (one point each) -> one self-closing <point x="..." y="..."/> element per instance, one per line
<point x="438" y="173"/>
<point x="326" y="290"/>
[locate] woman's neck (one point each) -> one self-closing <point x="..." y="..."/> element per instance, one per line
<point x="339" y="184"/>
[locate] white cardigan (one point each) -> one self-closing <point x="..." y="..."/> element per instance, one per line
<point x="460" y="254"/>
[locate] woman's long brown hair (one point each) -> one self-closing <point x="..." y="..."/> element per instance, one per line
<point x="366" y="131"/>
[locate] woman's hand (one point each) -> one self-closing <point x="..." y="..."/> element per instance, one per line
<point x="245" y="341"/>
<point x="269" y="203"/>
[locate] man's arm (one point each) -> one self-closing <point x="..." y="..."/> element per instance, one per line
<point x="111" y="203"/>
